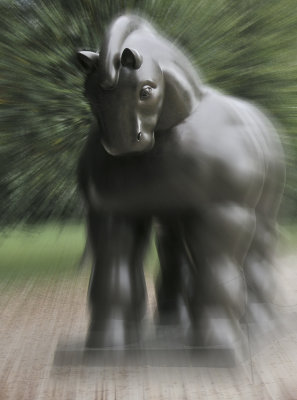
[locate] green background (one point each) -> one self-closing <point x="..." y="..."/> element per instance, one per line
<point x="244" y="47"/>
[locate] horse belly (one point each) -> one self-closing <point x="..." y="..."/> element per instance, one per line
<point x="136" y="193"/>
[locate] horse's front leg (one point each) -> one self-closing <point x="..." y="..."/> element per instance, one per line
<point x="117" y="291"/>
<point x="217" y="243"/>
<point x="173" y="272"/>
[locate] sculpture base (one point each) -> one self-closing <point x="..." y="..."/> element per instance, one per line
<point x="162" y="350"/>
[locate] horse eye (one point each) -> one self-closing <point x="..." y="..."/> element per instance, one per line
<point x="145" y="92"/>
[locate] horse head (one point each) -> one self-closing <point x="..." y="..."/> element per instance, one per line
<point x="128" y="111"/>
<point x="137" y="84"/>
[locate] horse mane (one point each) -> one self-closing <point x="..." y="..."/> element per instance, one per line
<point x="113" y="40"/>
<point x="182" y="83"/>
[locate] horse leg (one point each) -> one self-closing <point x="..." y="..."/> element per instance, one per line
<point x="87" y="252"/>
<point x="258" y="266"/>
<point x="258" y="270"/>
<point x="173" y="270"/>
<point x="217" y="244"/>
<point x="117" y="291"/>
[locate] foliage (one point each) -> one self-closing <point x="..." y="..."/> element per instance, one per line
<point x="244" y="47"/>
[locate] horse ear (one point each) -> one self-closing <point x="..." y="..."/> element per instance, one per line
<point x="131" y="58"/>
<point x="88" y="60"/>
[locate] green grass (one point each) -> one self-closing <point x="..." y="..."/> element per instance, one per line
<point x="48" y="251"/>
<point x="287" y="241"/>
<point x="41" y="251"/>
<point x="53" y="251"/>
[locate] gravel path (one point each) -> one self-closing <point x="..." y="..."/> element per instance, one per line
<point x="36" y="317"/>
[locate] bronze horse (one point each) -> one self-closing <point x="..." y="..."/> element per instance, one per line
<point x="207" y="167"/>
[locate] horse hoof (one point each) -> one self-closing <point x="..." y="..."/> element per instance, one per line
<point x="114" y="333"/>
<point x="216" y="333"/>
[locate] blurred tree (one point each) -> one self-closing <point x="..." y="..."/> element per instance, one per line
<point x="246" y="48"/>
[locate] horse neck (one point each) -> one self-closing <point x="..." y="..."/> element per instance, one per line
<point x="182" y="90"/>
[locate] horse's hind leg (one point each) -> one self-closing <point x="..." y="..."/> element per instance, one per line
<point x="258" y="266"/>
<point x="217" y="244"/>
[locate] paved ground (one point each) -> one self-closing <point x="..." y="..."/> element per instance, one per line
<point x="36" y="318"/>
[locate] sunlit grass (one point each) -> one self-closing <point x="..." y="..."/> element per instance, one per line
<point x="48" y="250"/>
<point x="54" y="251"/>
<point x="287" y="238"/>
<point x="41" y="251"/>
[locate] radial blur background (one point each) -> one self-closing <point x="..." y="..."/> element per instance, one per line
<point x="247" y="48"/>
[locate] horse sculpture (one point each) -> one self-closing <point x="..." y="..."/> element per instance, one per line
<point x="206" y="167"/>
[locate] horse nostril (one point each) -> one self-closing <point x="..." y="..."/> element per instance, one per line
<point x="139" y="135"/>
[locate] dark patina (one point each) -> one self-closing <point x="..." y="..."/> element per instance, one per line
<point x="206" y="167"/>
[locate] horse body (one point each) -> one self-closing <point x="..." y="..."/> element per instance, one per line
<point x="206" y="166"/>
<point x="214" y="155"/>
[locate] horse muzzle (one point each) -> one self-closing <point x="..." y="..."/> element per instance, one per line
<point x="140" y="143"/>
